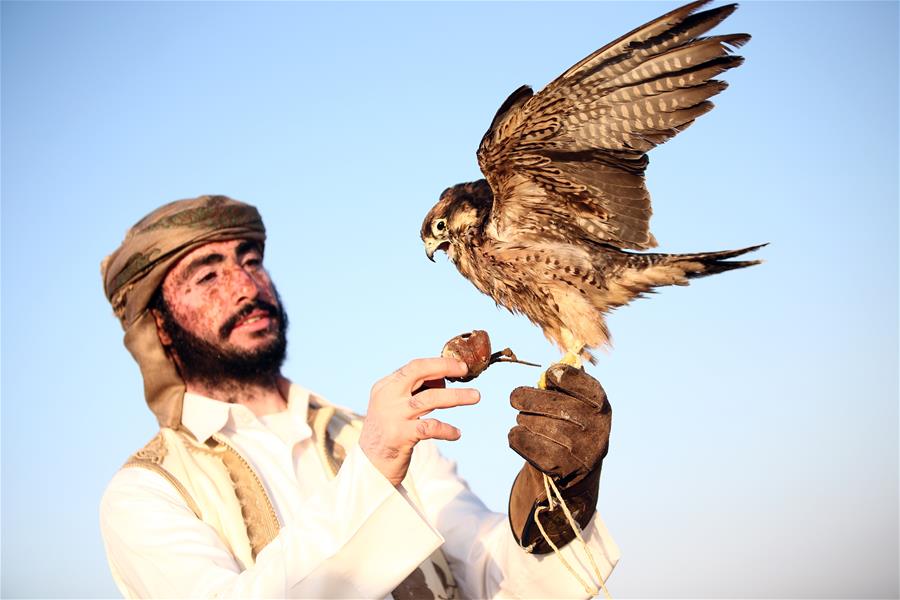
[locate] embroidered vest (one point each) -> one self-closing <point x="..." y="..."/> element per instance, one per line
<point x="224" y="491"/>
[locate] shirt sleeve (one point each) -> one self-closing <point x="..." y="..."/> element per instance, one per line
<point x="486" y="560"/>
<point x="157" y="547"/>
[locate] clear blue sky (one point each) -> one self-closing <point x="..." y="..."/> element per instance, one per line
<point x="755" y="440"/>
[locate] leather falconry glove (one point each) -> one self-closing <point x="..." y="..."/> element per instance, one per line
<point x="562" y="431"/>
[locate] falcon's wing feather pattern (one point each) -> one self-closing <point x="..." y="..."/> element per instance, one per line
<point x="572" y="157"/>
<point x="617" y="50"/>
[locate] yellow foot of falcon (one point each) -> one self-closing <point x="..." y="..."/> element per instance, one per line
<point x="572" y="359"/>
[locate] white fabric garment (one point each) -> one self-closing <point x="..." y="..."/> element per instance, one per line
<point x="353" y="536"/>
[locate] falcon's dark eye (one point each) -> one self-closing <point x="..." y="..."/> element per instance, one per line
<point x="438" y="226"/>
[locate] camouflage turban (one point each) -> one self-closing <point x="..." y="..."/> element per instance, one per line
<point x="133" y="273"/>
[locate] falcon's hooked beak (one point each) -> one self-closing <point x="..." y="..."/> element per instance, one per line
<point x="432" y="245"/>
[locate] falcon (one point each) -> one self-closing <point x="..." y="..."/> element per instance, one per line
<point x="552" y="229"/>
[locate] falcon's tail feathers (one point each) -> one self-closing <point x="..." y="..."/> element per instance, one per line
<point x="702" y="264"/>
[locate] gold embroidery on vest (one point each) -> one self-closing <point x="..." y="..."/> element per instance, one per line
<point x="256" y="508"/>
<point x="154" y="451"/>
<point x="318" y="420"/>
<point x="150" y="457"/>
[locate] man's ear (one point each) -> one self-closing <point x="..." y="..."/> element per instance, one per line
<point x="164" y="338"/>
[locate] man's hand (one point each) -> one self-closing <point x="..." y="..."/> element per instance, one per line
<point x="393" y="426"/>
<point x="562" y="431"/>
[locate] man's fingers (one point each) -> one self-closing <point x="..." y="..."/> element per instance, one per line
<point x="415" y="373"/>
<point x="432" y="429"/>
<point x="392" y="427"/>
<point x="428" y="400"/>
<point x="431" y="384"/>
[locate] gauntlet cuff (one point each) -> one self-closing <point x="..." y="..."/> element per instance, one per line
<point x="528" y="493"/>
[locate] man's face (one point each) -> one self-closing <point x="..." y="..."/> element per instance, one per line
<point x="221" y="314"/>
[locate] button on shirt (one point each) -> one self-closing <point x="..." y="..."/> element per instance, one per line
<point x="351" y="536"/>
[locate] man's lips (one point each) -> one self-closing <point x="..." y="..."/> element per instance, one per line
<point x="258" y="319"/>
<point x="253" y="317"/>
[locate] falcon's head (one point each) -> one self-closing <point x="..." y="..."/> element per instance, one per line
<point x="462" y="209"/>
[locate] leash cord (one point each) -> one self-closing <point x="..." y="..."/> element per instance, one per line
<point x="554" y="498"/>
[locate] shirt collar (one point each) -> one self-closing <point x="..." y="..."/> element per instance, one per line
<point x="205" y="416"/>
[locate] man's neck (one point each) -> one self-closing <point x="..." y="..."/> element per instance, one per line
<point x="261" y="397"/>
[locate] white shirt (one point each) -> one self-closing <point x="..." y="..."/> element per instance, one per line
<point x="353" y="536"/>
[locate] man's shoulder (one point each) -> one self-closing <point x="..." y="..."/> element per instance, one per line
<point x="159" y="447"/>
<point x="153" y="452"/>
<point x="137" y="482"/>
<point x="144" y="474"/>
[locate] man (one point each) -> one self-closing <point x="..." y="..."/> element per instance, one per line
<point x="256" y="487"/>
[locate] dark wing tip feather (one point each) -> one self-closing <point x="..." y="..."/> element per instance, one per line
<point x="523" y="93"/>
<point x="683" y="12"/>
<point x="671" y="20"/>
<point x="735" y="40"/>
<point x="714" y="16"/>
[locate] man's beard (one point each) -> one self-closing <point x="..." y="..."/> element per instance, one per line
<point x="214" y="365"/>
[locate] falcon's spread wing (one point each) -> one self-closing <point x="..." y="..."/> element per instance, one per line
<point x="568" y="163"/>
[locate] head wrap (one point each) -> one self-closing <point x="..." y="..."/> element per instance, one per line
<point x="133" y="273"/>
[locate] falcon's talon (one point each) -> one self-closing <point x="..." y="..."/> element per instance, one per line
<point x="572" y="359"/>
<point x="569" y="358"/>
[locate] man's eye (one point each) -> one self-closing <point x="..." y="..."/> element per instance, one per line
<point x="207" y="278"/>
<point x="253" y="262"/>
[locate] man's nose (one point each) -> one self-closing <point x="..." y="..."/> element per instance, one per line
<point x="244" y="285"/>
